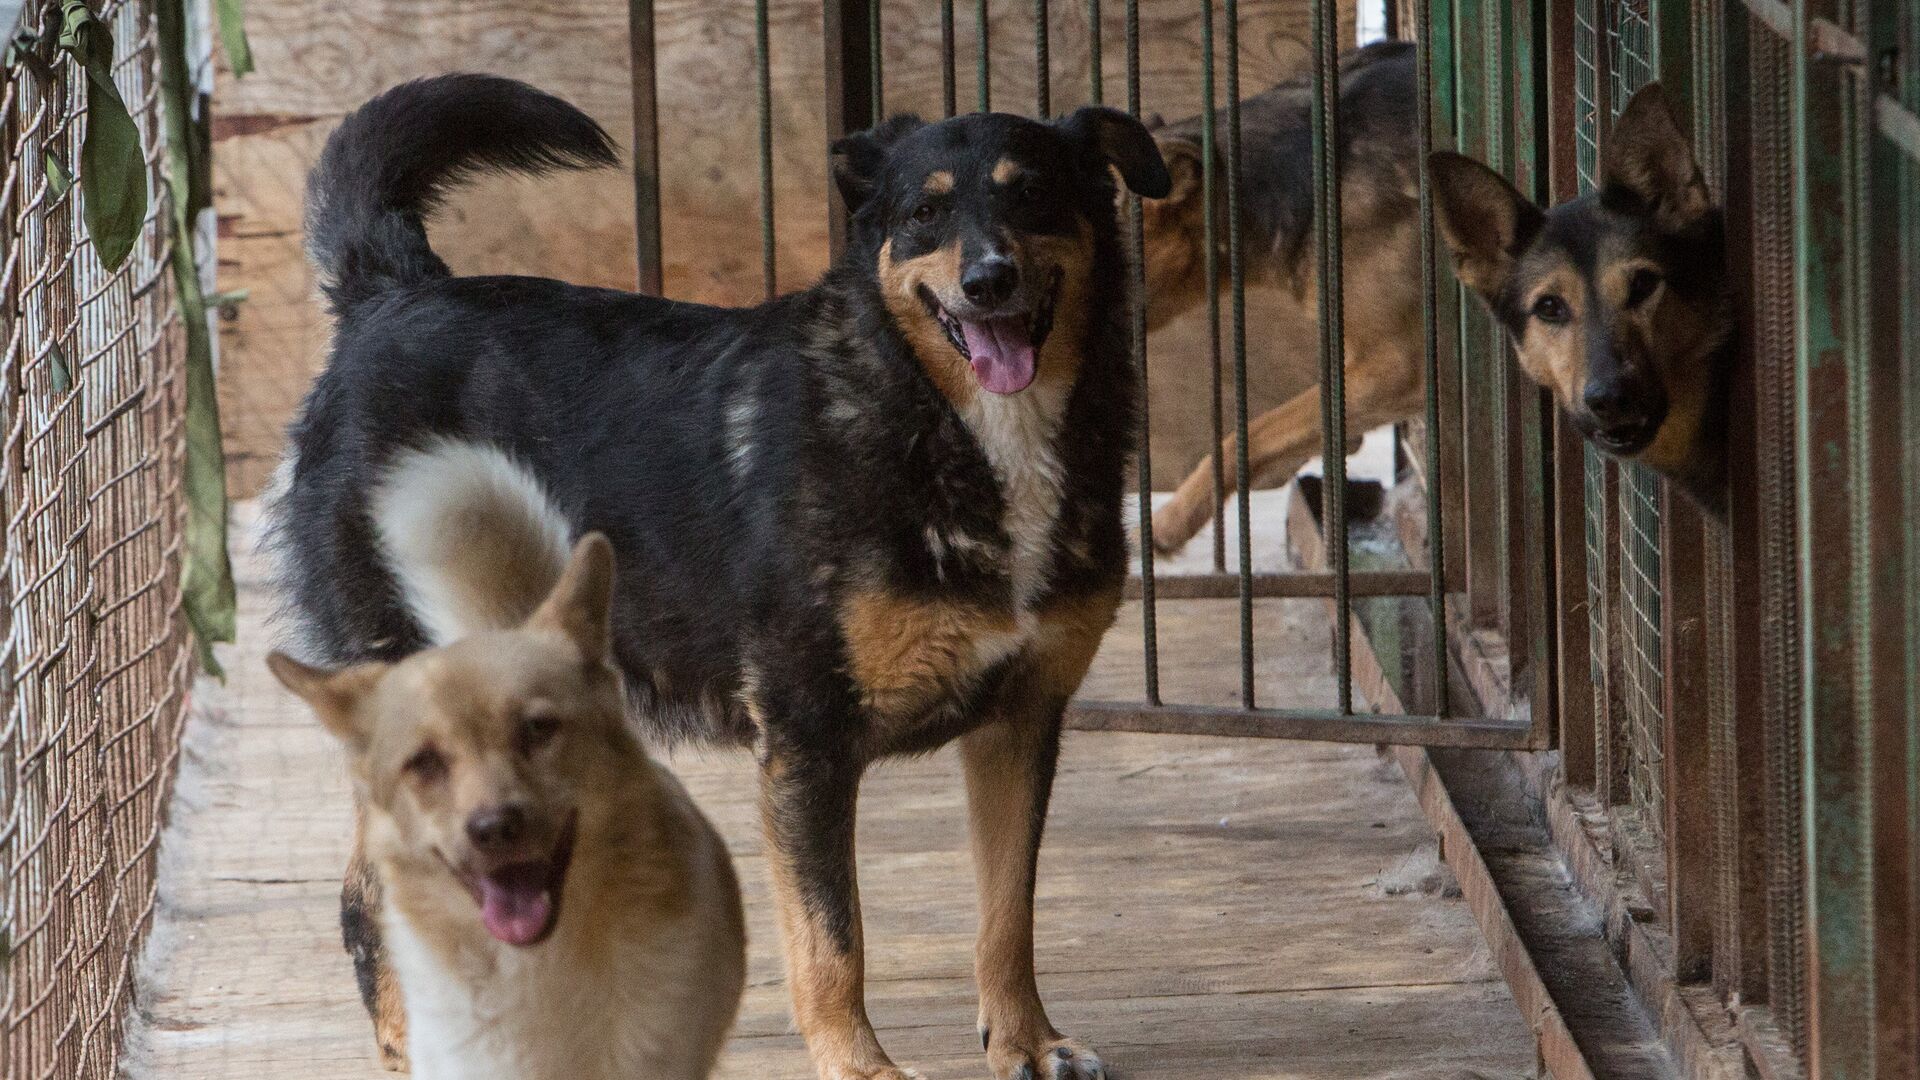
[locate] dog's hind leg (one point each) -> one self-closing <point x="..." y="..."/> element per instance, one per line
<point x="1009" y="766"/>
<point x="807" y="814"/>
<point x="360" y="902"/>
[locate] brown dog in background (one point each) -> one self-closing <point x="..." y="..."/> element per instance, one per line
<point x="1379" y="213"/>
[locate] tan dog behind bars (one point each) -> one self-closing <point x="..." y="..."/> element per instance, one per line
<point x="556" y="907"/>
<point x="1380" y="251"/>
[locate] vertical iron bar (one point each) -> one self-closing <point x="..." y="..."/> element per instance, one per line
<point x="1149" y="629"/>
<point x="848" y="37"/>
<point x="1430" y="338"/>
<point x="1333" y="406"/>
<point x="1095" y="84"/>
<point x="949" y="91"/>
<point x="876" y="71"/>
<point x="646" y="147"/>
<point x="1236" y="273"/>
<point x="1833" y="725"/>
<point x="763" y="71"/>
<point x="1209" y="170"/>
<point x="1042" y="75"/>
<point x="983" y="70"/>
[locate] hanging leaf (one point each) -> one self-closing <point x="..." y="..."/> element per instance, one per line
<point x="206" y="578"/>
<point x="233" y="34"/>
<point x="113" y="171"/>
<point x="57" y="372"/>
<point x="58" y="178"/>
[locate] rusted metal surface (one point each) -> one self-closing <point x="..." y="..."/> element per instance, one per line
<point x="1689" y="817"/>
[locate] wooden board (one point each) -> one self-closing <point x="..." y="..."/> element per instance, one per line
<point x="317" y="59"/>
<point x="1208" y="908"/>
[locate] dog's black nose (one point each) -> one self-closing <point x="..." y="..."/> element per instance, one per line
<point x="497" y="826"/>
<point x="1614" y="402"/>
<point x="990" y="281"/>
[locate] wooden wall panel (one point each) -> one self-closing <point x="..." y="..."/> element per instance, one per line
<point x="318" y="59"/>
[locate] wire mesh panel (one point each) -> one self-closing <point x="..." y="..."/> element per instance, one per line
<point x="1614" y="56"/>
<point x="96" y="659"/>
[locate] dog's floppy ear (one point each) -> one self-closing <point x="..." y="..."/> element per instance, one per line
<point x="1647" y="154"/>
<point x="1484" y="221"/>
<point x="334" y="694"/>
<point x="581" y="603"/>
<point x="1125" y="143"/>
<point x="858" y="158"/>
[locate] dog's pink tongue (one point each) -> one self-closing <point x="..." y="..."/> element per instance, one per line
<point x="516" y="910"/>
<point x="1002" y="353"/>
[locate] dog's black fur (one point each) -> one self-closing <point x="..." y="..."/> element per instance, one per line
<point x="753" y="467"/>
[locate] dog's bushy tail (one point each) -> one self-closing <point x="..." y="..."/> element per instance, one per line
<point x="390" y="161"/>
<point x="470" y="535"/>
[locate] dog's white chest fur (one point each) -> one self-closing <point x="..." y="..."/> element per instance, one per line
<point x="1017" y="431"/>
<point x="556" y="1011"/>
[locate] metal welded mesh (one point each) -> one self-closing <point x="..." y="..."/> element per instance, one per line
<point x="95" y="660"/>
<point x="1630" y="647"/>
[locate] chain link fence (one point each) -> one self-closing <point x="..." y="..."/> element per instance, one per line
<point x="96" y="659"/>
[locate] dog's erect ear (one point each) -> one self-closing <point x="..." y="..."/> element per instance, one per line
<point x="1484" y="221"/>
<point x="858" y="158"/>
<point x="581" y="603"/>
<point x="1647" y="154"/>
<point x="334" y="694"/>
<point x="1125" y="143"/>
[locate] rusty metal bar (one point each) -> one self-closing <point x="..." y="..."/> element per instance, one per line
<point x="1297" y="583"/>
<point x="1689" y="816"/>
<point x="849" y="37"/>
<point x="646" y="147"/>
<point x="1237" y="279"/>
<point x="1833" y="577"/>
<point x="949" y="86"/>
<point x="1149" y="629"/>
<point x="1333" y="402"/>
<point x="1318" y="725"/>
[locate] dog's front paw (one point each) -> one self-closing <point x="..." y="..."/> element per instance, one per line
<point x="1057" y="1058"/>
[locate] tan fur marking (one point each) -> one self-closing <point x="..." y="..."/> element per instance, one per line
<point x="938" y="182"/>
<point x="906" y="653"/>
<point x="939" y="271"/>
<point x="1556" y="356"/>
<point x="1005" y="171"/>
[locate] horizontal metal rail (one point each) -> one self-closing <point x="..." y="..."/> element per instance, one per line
<point x="1365" y="583"/>
<point x="1318" y="725"/>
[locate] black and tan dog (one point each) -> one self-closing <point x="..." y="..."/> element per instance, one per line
<point x="1385" y="375"/>
<point x="1637" y="358"/>
<point x="866" y="519"/>
<point x="1618" y="301"/>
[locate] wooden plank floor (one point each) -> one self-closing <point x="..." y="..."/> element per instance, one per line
<point x="1208" y="908"/>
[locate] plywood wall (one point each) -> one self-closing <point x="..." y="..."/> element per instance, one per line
<point x="317" y="59"/>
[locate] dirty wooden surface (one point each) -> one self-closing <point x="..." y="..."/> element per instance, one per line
<point x="1208" y="908"/>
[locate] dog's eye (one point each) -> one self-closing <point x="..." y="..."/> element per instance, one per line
<point x="537" y="730"/>
<point x="925" y="213"/>
<point x="1641" y="286"/>
<point x="1550" y="309"/>
<point x="427" y="765"/>
<point x="1030" y="192"/>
